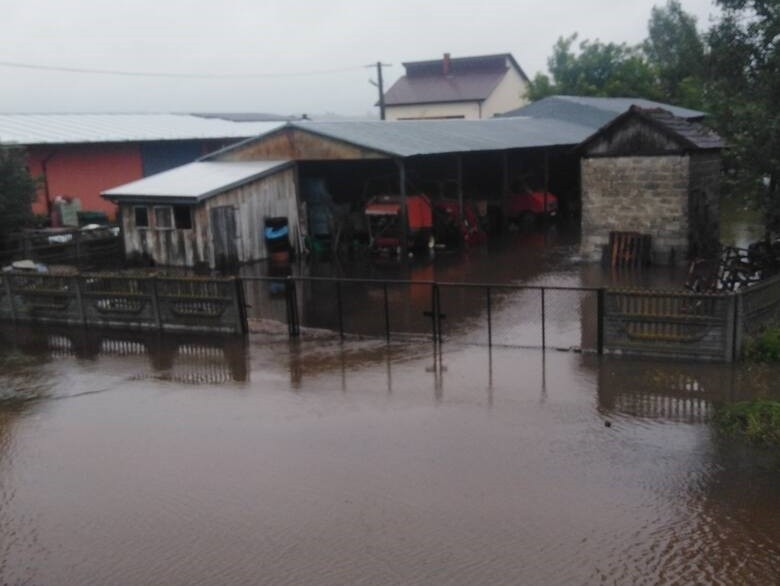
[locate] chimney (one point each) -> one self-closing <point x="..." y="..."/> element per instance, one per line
<point x="445" y="64"/>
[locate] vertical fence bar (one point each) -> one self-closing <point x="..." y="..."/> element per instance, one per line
<point x="340" y="308"/>
<point x="292" y="309"/>
<point x="156" y="304"/>
<point x="489" y="316"/>
<point x="544" y="333"/>
<point x="437" y="313"/>
<point x="600" y="321"/>
<point x="387" y="312"/>
<point x="10" y="293"/>
<point x="77" y="281"/>
<point x="239" y="303"/>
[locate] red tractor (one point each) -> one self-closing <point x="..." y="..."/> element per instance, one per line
<point x="532" y="204"/>
<point x="386" y="226"/>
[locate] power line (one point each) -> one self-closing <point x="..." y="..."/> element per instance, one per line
<point x="85" y="70"/>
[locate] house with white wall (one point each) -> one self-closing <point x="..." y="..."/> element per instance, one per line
<point x="462" y="87"/>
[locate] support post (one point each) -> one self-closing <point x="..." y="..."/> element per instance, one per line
<point x="544" y="333"/>
<point x="80" y="300"/>
<point x="387" y="313"/>
<point x="239" y="305"/>
<point x="489" y="316"/>
<point x="293" y="329"/>
<point x="546" y="179"/>
<point x="404" y="219"/>
<point x="340" y="306"/>
<point x="504" y="188"/>
<point x="600" y="294"/>
<point x="459" y="179"/>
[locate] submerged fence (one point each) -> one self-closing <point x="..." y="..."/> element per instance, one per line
<point x="127" y="302"/>
<point x="676" y="324"/>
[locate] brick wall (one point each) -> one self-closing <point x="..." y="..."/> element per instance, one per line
<point x="642" y="194"/>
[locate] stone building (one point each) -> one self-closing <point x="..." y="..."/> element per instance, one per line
<point x="654" y="173"/>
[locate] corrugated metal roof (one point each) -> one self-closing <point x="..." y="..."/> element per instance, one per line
<point x="195" y="182"/>
<point x="32" y="129"/>
<point x="409" y="138"/>
<point x="593" y="112"/>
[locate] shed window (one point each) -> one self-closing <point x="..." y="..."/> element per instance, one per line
<point x="141" y="214"/>
<point x="182" y="216"/>
<point x="163" y="217"/>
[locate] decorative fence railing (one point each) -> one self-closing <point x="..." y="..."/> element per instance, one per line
<point x="128" y="302"/>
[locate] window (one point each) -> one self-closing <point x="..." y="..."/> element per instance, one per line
<point x="141" y="214"/>
<point x="182" y="216"/>
<point x="163" y="217"/>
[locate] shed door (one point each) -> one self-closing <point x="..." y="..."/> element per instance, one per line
<point x="223" y="228"/>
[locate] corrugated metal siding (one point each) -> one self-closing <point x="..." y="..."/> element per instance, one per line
<point x="157" y="157"/>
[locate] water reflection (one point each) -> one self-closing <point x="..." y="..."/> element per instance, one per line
<point x="187" y="359"/>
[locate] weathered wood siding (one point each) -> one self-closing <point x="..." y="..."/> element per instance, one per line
<point x="633" y="138"/>
<point x="704" y="203"/>
<point x="271" y="196"/>
<point x="295" y="144"/>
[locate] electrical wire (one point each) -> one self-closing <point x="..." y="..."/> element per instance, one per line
<point x="85" y="70"/>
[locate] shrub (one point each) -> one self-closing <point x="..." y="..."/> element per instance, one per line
<point x="757" y="421"/>
<point x="765" y="347"/>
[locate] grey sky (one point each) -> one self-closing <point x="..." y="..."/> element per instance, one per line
<point x="275" y="37"/>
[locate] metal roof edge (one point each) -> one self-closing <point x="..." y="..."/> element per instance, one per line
<point x="281" y="166"/>
<point x="303" y="126"/>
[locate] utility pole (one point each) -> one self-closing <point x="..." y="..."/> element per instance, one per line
<point x="380" y="86"/>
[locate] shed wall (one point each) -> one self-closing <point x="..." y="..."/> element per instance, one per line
<point x="641" y="194"/>
<point x="270" y="196"/>
<point x="704" y="206"/>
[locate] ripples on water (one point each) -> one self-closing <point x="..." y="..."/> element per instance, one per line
<point x="323" y="463"/>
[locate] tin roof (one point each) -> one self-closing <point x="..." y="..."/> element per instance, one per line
<point x="409" y="138"/>
<point x="468" y="79"/>
<point x="33" y="129"/>
<point x="194" y="182"/>
<point x="594" y="112"/>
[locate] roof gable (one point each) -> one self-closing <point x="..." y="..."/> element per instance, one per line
<point x="649" y="131"/>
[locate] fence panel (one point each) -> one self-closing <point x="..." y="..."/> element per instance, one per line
<point x="760" y="305"/>
<point x="678" y="324"/>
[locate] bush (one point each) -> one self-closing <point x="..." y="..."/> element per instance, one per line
<point x="757" y="421"/>
<point x="765" y="347"/>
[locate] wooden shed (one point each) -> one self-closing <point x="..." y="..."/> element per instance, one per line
<point x="207" y="213"/>
<point x="655" y="174"/>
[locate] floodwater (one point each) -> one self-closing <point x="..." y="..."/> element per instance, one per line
<point x="140" y="459"/>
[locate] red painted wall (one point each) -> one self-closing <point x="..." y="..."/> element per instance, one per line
<point x="84" y="171"/>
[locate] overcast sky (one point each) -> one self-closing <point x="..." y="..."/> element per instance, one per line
<point x="274" y="38"/>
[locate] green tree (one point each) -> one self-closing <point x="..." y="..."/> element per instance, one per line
<point x="743" y="95"/>
<point x="17" y="192"/>
<point x="595" y="69"/>
<point x="676" y="51"/>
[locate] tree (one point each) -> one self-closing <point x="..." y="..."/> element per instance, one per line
<point x="17" y="192"/>
<point x="597" y="69"/>
<point x="742" y="95"/>
<point x="676" y="52"/>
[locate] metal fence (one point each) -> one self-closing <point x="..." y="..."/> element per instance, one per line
<point x="484" y="313"/>
<point x="118" y="301"/>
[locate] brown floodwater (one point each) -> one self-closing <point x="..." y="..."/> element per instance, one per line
<point x="141" y="459"/>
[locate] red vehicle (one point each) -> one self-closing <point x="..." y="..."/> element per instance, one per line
<point x="385" y="226"/>
<point x="450" y="229"/>
<point x="532" y="203"/>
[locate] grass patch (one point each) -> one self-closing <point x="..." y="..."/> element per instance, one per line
<point x="757" y="421"/>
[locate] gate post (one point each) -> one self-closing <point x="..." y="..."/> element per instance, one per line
<point x="600" y="321"/>
<point x="292" y="307"/>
